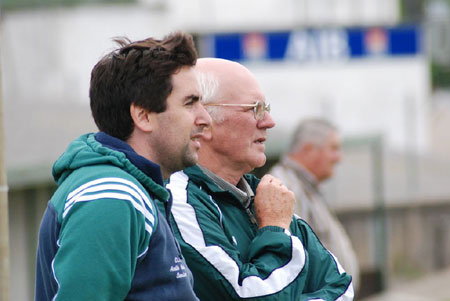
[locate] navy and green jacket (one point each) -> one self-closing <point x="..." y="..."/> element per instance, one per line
<point x="232" y="259"/>
<point x="102" y="236"/>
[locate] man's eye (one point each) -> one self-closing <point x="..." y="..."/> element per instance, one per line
<point x="191" y="101"/>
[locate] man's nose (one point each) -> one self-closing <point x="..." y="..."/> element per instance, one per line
<point x="267" y="122"/>
<point x="203" y="117"/>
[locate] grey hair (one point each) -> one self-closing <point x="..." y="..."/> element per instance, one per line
<point x="313" y="130"/>
<point x="209" y="86"/>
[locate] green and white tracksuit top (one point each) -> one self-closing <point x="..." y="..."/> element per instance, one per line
<point x="102" y="236"/>
<point x="232" y="259"/>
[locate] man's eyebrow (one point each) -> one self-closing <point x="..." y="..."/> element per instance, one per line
<point x="193" y="97"/>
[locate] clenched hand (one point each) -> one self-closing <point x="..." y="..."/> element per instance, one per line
<point x="274" y="203"/>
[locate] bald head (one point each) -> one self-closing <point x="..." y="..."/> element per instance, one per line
<point x="218" y="65"/>
<point x="223" y="81"/>
<point x="237" y="141"/>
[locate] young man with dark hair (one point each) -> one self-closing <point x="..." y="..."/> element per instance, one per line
<point x="102" y="236"/>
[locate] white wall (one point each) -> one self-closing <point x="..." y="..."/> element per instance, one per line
<point x="384" y="96"/>
<point x="47" y="56"/>
<point x="52" y="51"/>
<point x="229" y="15"/>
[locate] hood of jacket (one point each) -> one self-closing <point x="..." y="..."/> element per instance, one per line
<point x="87" y="151"/>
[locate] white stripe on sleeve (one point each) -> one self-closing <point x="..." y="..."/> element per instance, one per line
<point x="114" y="188"/>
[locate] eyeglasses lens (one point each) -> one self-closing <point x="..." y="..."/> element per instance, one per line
<point x="260" y="108"/>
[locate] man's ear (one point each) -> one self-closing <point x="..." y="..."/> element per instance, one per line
<point x="308" y="147"/>
<point x="143" y="119"/>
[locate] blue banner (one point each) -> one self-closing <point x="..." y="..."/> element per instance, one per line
<point x="307" y="45"/>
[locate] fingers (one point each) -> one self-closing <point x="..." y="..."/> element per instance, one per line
<point x="271" y="179"/>
<point x="273" y="202"/>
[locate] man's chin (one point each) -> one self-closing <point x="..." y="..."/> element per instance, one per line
<point x="190" y="160"/>
<point x="260" y="162"/>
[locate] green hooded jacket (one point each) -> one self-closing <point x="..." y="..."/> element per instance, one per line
<point x="102" y="236"/>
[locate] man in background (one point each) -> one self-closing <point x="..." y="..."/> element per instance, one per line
<point x="102" y="236"/>
<point x="310" y="160"/>
<point x="238" y="233"/>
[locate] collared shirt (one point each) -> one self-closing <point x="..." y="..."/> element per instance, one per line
<point x="303" y="173"/>
<point x="242" y="191"/>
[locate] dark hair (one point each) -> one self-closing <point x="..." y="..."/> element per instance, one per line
<point x="140" y="73"/>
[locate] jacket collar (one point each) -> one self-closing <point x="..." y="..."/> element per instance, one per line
<point x="242" y="191"/>
<point x="142" y="165"/>
<point x="216" y="185"/>
<point x="148" y="167"/>
<point x="199" y="177"/>
<point x="301" y="171"/>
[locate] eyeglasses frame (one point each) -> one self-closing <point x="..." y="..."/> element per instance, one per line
<point x="266" y="107"/>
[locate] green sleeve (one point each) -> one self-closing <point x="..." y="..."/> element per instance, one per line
<point x="325" y="278"/>
<point x="99" y="244"/>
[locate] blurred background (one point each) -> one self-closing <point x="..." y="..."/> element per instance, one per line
<point x="379" y="70"/>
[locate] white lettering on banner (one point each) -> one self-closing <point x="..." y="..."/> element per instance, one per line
<point x="318" y="45"/>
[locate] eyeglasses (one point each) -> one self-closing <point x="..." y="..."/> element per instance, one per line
<point x="258" y="108"/>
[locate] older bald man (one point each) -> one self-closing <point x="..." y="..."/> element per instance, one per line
<point x="237" y="233"/>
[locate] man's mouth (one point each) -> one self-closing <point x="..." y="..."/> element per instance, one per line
<point x="260" y="140"/>
<point x="196" y="142"/>
<point x="202" y="133"/>
<point x="197" y="136"/>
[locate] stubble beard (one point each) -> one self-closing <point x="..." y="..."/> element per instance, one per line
<point x="189" y="157"/>
<point x="186" y="158"/>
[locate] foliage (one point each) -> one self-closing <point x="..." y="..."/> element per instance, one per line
<point x="440" y="76"/>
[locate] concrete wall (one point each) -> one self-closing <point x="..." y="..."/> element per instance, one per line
<point x="416" y="241"/>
